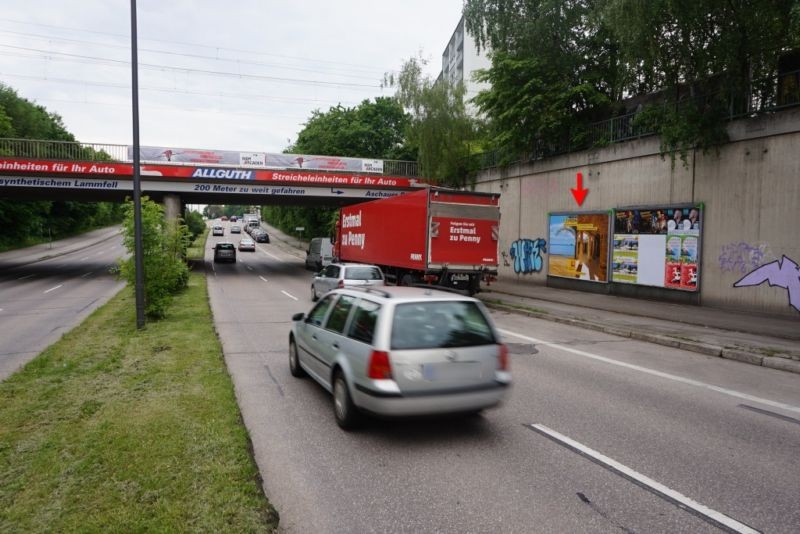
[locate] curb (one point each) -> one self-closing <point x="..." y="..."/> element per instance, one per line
<point x="773" y="362"/>
<point x="63" y="252"/>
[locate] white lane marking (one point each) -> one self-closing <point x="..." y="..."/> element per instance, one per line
<point x="661" y="374"/>
<point x="264" y="279"/>
<point x="681" y="500"/>
<point x="53" y="288"/>
<point x="289" y="295"/>
<point x="249" y="268"/>
<point x="273" y="256"/>
<point x="84" y="258"/>
<point x="99" y="253"/>
<point x="86" y="274"/>
<point x="26" y="276"/>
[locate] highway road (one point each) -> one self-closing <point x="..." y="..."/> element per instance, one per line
<point x="41" y="300"/>
<point x="600" y="434"/>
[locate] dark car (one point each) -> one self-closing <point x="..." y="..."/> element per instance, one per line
<point x="260" y="236"/>
<point x="224" y="252"/>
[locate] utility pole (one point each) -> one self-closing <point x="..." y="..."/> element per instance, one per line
<point x="137" y="189"/>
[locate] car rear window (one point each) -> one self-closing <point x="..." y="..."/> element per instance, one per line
<point x="427" y="325"/>
<point x="362" y="273"/>
<point x="225" y="246"/>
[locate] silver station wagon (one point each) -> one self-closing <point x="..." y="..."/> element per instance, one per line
<point x="399" y="351"/>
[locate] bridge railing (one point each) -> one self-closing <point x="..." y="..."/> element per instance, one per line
<point x="74" y="151"/>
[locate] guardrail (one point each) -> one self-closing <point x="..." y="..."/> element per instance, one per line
<point x="76" y="151"/>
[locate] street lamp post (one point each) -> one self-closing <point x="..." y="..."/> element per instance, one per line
<point x="137" y="192"/>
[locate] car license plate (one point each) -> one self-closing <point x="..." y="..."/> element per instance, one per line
<point x="451" y="371"/>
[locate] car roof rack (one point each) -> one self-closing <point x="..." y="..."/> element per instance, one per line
<point x="463" y="292"/>
<point x="381" y="292"/>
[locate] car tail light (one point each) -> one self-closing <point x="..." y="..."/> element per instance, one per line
<point x="379" y="366"/>
<point x="340" y="284"/>
<point x="502" y="358"/>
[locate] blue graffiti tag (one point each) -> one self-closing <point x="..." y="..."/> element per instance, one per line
<point x="527" y="254"/>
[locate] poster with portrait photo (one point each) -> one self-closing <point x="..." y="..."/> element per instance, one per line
<point x="667" y="246"/>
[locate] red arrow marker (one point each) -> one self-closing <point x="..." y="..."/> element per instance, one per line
<point x="579" y="192"/>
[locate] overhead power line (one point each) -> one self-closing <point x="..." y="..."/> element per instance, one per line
<point x="50" y="38"/>
<point x="183" y="43"/>
<point x="111" y="85"/>
<point x="279" y="79"/>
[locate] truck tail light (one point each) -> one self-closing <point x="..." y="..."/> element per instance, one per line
<point x="379" y="366"/>
<point x="430" y="278"/>
<point x="502" y="357"/>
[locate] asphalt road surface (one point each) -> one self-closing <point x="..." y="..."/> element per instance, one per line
<point x="600" y="434"/>
<point x="42" y="300"/>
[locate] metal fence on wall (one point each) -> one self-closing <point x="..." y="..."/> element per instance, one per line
<point x="764" y="96"/>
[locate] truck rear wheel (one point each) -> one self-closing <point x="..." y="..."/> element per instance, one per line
<point x="406" y="280"/>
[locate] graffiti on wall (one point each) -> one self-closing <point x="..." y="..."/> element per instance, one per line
<point x="527" y="255"/>
<point x="779" y="273"/>
<point x="742" y="257"/>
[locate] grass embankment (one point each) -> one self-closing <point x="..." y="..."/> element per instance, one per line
<point x="115" y="429"/>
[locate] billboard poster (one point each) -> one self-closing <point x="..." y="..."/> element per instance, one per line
<point x="657" y="246"/>
<point x="151" y="154"/>
<point x="578" y="246"/>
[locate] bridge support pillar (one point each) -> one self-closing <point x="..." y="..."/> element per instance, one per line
<point x="172" y="207"/>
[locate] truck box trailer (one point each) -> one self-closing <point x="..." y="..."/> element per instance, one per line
<point x="439" y="236"/>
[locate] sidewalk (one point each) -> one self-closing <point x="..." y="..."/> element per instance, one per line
<point x="768" y="340"/>
<point x="25" y="256"/>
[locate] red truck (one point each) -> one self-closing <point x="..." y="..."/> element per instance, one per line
<point x="437" y="236"/>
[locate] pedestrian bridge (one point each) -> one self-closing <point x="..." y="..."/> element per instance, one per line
<point x="58" y="170"/>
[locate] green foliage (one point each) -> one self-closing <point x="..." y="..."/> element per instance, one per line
<point x="559" y="65"/>
<point x="194" y="223"/>
<point x="440" y="129"/>
<point x="369" y="130"/>
<point x="28" y="222"/>
<point x="114" y="429"/>
<point x="164" y="245"/>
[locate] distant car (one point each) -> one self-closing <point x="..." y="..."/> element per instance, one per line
<point x="247" y="244"/>
<point x="338" y="275"/>
<point x="224" y="252"/>
<point x="217" y="230"/>
<point x="397" y="351"/>
<point x="234" y="218"/>
<point x="223" y="218"/>
<point x="236" y="229"/>
<point x="261" y="236"/>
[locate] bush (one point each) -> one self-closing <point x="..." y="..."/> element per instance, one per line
<point x="164" y="245"/>
<point x="195" y="223"/>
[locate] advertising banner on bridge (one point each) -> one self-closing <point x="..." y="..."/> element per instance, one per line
<point x="578" y="246"/>
<point x="256" y="159"/>
<point x="300" y="177"/>
<point x="657" y="246"/>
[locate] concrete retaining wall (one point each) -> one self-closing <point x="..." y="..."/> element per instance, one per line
<point x="750" y="190"/>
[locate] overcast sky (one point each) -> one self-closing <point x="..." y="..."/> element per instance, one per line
<point x="236" y="74"/>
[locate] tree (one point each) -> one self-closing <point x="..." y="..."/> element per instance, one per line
<point x="440" y="128"/>
<point x="20" y="118"/>
<point x="709" y="59"/>
<point x="164" y="245"/>
<point x="369" y="130"/>
<point x="555" y="68"/>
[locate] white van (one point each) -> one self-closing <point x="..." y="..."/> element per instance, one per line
<point x="319" y="253"/>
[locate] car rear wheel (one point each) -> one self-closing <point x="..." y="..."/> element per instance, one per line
<point x="294" y="362"/>
<point x="346" y="413"/>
